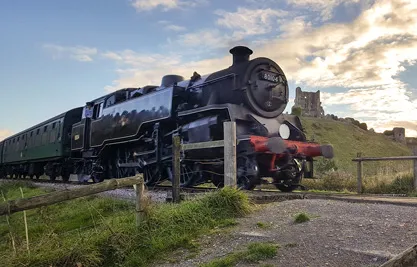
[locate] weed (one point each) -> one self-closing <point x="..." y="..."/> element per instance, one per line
<point x="301" y="218"/>
<point x="261" y="225"/>
<point x="254" y="253"/>
<point x="260" y="251"/>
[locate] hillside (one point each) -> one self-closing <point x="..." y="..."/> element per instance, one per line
<point x="348" y="139"/>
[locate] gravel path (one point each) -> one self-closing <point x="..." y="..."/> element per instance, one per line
<point x="339" y="234"/>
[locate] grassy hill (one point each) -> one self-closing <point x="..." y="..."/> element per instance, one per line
<point x="347" y="140"/>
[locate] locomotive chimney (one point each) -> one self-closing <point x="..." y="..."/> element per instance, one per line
<point x="169" y="80"/>
<point x="240" y="54"/>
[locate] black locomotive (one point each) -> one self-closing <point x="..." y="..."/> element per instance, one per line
<point x="130" y="131"/>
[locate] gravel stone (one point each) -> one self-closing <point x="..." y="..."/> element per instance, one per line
<point x="338" y="234"/>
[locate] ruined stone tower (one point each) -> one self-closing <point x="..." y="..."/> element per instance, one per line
<point x="309" y="102"/>
<point x="399" y="134"/>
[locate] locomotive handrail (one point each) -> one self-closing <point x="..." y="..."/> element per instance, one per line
<point x="360" y="161"/>
<point x="231" y="75"/>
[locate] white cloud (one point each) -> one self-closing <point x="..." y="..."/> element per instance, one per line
<point x="146" y="5"/>
<point x="205" y="39"/>
<point x="4" y="133"/>
<point x="245" y="21"/>
<point x="79" y="53"/>
<point x="324" y="7"/>
<point x="364" y="56"/>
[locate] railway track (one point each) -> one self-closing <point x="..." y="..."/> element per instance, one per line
<point x="168" y="188"/>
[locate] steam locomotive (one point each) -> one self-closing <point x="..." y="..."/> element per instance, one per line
<point x="130" y="131"/>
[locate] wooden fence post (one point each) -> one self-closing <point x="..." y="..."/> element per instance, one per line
<point x="360" y="165"/>
<point x="415" y="167"/>
<point x="229" y="137"/>
<point x="176" y="168"/>
<point x="140" y="205"/>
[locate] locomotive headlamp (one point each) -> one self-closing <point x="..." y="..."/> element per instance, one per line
<point x="284" y="131"/>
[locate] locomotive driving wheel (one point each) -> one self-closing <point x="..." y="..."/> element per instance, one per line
<point x="190" y="174"/>
<point x="247" y="173"/>
<point x="152" y="175"/>
<point x="289" y="179"/>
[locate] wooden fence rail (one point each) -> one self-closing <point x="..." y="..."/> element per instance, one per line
<point x="22" y="204"/>
<point x="229" y="144"/>
<point x="360" y="161"/>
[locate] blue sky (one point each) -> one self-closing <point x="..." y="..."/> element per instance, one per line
<point x="56" y="55"/>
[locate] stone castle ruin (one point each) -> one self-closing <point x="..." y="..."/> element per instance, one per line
<point x="310" y="105"/>
<point x="309" y="102"/>
<point x="398" y="134"/>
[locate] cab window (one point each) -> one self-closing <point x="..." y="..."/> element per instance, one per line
<point x="116" y="98"/>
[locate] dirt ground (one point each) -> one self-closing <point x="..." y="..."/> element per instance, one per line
<point x="338" y="234"/>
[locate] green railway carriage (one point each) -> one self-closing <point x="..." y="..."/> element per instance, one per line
<point x="41" y="148"/>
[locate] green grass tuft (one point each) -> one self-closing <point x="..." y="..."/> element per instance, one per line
<point x="254" y="253"/>
<point x="260" y="251"/>
<point x="301" y="218"/>
<point x="97" y="231"/>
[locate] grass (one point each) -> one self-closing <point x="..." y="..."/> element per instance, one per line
<point x="348" y="140"/>
<point x="342" y="182"/>
<point x="263" y="225"/>
<point x="254" y="253"/>
<point x="339" y="174"/>
<point x="301" y="218"/>
<point x="97" y="231"/>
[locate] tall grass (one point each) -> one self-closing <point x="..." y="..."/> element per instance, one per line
<point x="399" y="183"/>
<point x="96" y="231"/>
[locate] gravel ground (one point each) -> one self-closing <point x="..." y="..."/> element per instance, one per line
<point x="338" y="234"/>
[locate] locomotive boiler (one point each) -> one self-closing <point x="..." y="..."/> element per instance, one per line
<point x="130" y="131"/>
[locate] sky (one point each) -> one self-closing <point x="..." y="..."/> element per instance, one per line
<point x="57" y="55"/>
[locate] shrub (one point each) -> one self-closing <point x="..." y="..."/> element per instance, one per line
<point x="323" y="165"/>
<point x="296" y="111"/>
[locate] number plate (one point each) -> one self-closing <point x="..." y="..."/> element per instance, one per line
<point x="269" y="76"/>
